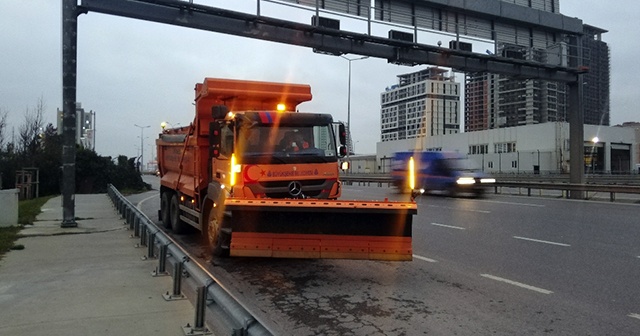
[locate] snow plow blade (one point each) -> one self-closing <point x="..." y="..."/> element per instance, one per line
<point x="321" y="229"/>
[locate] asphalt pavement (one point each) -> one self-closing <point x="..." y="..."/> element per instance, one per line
<point x="85" y="280"/>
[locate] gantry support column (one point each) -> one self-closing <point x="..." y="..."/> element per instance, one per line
<point x="69" y="57"/>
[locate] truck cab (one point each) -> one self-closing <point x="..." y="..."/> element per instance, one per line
<point x="277" y="154"/>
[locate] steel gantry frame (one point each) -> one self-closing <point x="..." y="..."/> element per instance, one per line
<point x="320" y="38"/>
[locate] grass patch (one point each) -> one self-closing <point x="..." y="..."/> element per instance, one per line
<point x="8" y="236"/>
<point x="132" y="191"/>
<point x="29" y="209"/>
<point x="27" y="212"/>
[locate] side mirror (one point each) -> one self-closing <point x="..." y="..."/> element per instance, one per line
<point x="342" y="151"/>
<point x="219" y="111"/>
<point x="342" y="134"/>
<point x="215" y="138"/>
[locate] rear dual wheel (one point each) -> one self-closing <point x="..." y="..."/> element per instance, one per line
<point x="165" y="218"/>
<point x="217" y="237"/>
<point x="177" y="225"/>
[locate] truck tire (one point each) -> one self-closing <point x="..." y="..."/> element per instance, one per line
<point x="177" y="225"/>
<point x="165" y="218"/>
<point x="217" y="237"/>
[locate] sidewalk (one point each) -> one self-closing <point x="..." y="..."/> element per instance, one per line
<point x="88" y="280"/>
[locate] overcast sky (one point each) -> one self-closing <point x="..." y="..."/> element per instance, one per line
<point x="136" y="72"/>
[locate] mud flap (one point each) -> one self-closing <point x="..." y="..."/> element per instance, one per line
<point x="321" y="229"/>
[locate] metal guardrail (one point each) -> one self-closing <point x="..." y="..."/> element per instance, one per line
<point x="367" y="180"/>
<point x="231" y="317"/>
<point x="630" y="179"/>
<point x="612" y="189"/>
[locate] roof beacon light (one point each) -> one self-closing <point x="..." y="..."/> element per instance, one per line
<point x="281" y="107"/>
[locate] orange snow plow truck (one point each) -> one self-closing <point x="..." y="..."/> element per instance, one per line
<point x="259" y="179"/>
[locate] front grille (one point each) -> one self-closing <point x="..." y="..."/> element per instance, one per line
<point x="284" y="184"/>
<point x="306" y="193"/>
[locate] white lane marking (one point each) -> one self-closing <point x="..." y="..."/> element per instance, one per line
<point x="635" y="316"/>
<point x="542" y="241"/>
<point x="139" y="205"/>
<point x="424" y="258"/>
<point x="449" y="226"/>
<point x="516" y="203"/>
<point x="457" y="209"/>
<point x="515" y="283"/>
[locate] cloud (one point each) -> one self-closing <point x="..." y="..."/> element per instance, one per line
<point x="136" y="72"/>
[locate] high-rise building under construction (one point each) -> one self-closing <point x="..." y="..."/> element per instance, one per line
<point x="497" y="101"/>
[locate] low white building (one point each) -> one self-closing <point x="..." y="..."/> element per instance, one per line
<point x="540" y="148"/>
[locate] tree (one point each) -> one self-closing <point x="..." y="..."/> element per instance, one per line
<point x="48" y="159"/>
<point x="30" y="133"/>
<point x="7" y="162"/>
<point x="41" y="147"/>
<point x="3" y="127"/>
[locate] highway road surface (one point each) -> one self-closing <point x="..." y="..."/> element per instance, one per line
<point x="501" y="265"/>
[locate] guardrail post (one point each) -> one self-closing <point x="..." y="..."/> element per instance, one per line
<point x="127" y="216"/>
<point x="135" y="226"/>
<point x="201" y="304"/>
<point x="177" y="284"/>
<point x="612" y="196"/>
<point x="151" y="246"/>
<point x="161" y="270"/>
<point x="128" y="213"/>
<point x="143" y="235"/>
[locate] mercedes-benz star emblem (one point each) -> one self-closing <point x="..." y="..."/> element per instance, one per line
<point x="295" y="188"/>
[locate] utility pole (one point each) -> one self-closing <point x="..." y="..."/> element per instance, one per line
<point x="141" y="144"/>
<point x="350" y="140"/>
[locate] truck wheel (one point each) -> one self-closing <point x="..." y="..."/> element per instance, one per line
<point x="174" y="212"/>
<point x="165" y="200"/>
<point x="217" y="237"/>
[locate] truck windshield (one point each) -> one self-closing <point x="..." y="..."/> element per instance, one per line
<point x="264" y="143"/>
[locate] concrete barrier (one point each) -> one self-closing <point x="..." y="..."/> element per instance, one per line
<point x="8" y="207"/>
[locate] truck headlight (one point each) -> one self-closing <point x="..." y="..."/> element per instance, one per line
<point x="488" y="180"/>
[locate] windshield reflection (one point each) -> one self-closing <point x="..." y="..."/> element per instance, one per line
<point x="277" y="145"/>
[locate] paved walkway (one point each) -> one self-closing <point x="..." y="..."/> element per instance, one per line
<point x="88" y="280"/>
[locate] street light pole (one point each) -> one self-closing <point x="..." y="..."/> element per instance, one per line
<point x="141" y="144"/>
<point x="350" y="141"/>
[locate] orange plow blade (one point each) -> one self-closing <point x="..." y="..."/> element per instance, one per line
<point x="321" y="229"/>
